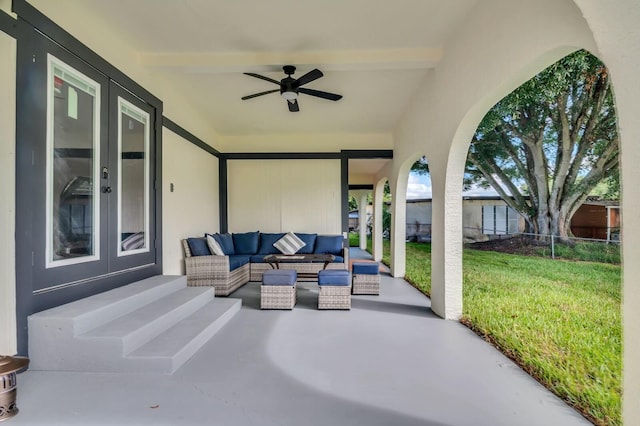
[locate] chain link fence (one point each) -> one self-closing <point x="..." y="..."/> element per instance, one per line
<point x="568" y="248"/>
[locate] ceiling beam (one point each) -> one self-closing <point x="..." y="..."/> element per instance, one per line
<point x="329" y="60"/>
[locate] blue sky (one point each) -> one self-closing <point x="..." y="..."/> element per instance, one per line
<point x="419" y="186"/>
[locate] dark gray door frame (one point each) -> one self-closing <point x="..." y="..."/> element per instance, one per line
<point x="27" y="29"/>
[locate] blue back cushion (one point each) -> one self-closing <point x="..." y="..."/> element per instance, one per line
<point x="266" y="243"/>
<point x="226" y="243"/>
<point x="246" y="243"/>
<point x="328" y="244"/>
<point x="198" y="247"/>
<point x="310" y="241"/>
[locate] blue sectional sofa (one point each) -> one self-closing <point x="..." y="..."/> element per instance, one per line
<point x="243" y="258"/>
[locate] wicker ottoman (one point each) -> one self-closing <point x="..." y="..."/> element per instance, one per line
<point x="278" y="289"/>
<point x="335" y="289"/>
<point x="366" y="278"/>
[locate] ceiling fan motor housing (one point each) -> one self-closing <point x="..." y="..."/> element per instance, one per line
<point x="289" y="84"/>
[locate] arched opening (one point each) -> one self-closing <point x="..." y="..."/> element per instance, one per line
<point x="360" y="217"/>
<point x="411" y="216"/>
<point x="544" y="149"/>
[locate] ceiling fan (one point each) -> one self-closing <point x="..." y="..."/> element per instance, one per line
<point x="290" y="87"/>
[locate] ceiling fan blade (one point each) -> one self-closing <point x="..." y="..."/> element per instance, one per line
<point x="309" y="77"/>
<point x="262" y="77"/>
<point x="293" y="105"/>
<point x="320" y="94"/>
<point x="244" y="98"/>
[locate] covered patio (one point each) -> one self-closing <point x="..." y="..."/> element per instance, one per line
<point x="416" y="78"/>
<point x="388" y="361"/>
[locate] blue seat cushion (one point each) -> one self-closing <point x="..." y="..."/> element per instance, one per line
<point x="245" y="243"/>
<point x="238" y="260"/>
<point x="198" y="247"/>
<point x="279" y="277"/>
<point x="366" y="268"/>
<point x="226" y="243"/>
<point x="257" y="258"/>
<point x="309" y="240"/>
<point x="266" y="243"/>
<point x="334" y="277"/>
<point x="328" y="244"/>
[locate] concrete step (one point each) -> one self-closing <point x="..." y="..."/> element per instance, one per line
<point x="138" y="327"/>
<point x="86" y="314"/>
<point x="171" y="349"/>
<point x="153" y="325"/>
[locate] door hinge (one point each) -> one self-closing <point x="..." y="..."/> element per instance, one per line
<point x="33" y="258"/>
<point x="33" y="157"/>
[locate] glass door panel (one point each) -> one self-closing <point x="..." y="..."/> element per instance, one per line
<point x="132" y="157"/>
<point x="133" y="179"/>
<point x="73" y="156"/>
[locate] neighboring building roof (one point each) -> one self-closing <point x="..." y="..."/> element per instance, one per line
<point x="598" y="202"/>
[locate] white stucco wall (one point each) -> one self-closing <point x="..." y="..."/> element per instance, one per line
<point x="284" y="195"/>
<point x="192" y="208"/>
<point x="8" y="343"/>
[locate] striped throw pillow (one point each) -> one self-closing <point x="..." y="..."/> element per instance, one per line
<point x="133" y="242"/>
<point x="289" y="244"/>
<point x="214" y="247"/>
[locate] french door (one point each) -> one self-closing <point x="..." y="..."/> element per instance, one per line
<point x="92" y="178"/>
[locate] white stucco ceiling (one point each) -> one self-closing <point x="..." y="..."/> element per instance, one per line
<point x="374" y="53"/>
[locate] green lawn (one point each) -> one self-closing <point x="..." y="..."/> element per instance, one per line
<point x="560" y="320"/>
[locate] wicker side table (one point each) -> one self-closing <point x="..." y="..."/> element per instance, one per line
<point x="366" y="278"/>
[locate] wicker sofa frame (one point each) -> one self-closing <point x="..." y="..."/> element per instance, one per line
<point x="214" y="270"/>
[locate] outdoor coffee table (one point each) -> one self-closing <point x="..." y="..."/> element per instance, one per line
<point x="276" y="259"/>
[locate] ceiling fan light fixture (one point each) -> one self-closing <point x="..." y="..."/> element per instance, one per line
<point x="290" y="96"/>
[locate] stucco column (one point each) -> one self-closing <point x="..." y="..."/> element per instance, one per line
<point x="376" y="237"/>
<point x="362" y="218"/>
<point x="399" y="225"/>
<point x="446" y="242"/>
<point x="615" y="29"/>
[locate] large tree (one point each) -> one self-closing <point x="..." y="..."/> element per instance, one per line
<point x="548" y="144"/>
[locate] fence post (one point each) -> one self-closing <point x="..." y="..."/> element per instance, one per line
<point x="553" y="252"/>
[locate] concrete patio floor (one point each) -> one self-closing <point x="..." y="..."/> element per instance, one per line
<point x="388" y="361"/>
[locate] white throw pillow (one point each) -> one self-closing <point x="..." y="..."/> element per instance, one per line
<point x="289" y="244"/>
<point x="214" y="247"/>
